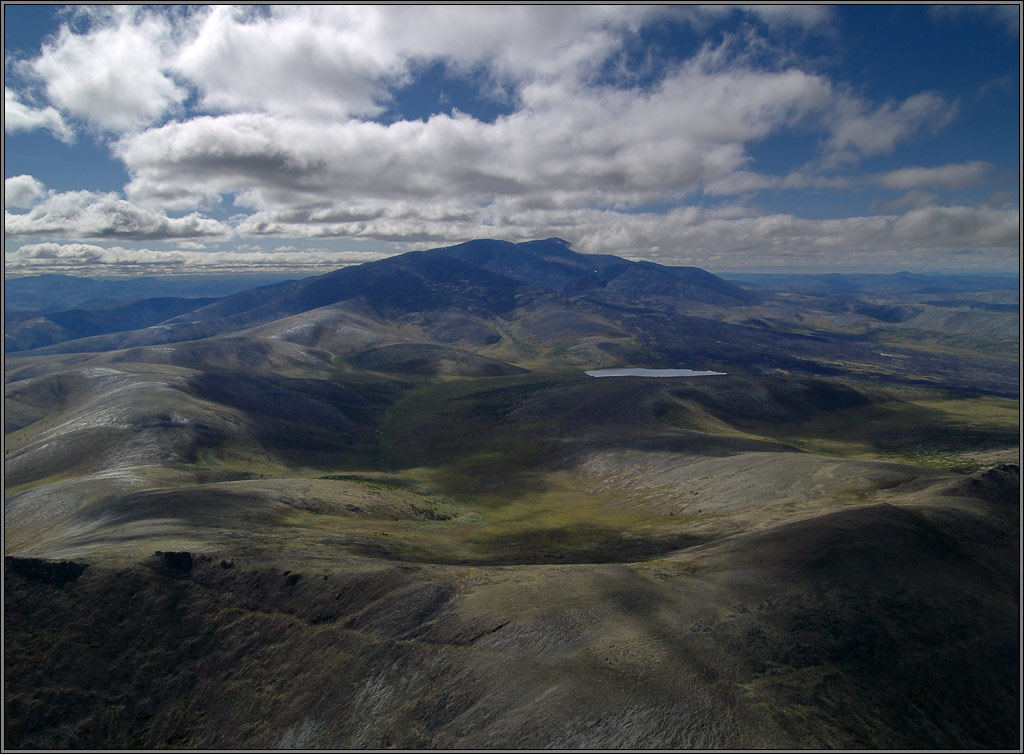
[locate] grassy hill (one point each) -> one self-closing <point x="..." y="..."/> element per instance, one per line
<point x="390" y="521"/>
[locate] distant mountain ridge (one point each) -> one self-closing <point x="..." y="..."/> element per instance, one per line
<point x="492" y="306"/>
<point x="30" y="330"/>
<point x="391" y="287"/>
<point x="882" y="283"/>
<point x="53" y="293"/>
<point x="551" y="264"/>
<point x="482" y="278"/>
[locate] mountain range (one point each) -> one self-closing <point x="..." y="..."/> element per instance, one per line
<point x="514" y="300"/>
<point x="387" y="507"/>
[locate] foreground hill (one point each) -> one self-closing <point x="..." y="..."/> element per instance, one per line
<point x="876" y="627"/>
<point x="385" y="507"/>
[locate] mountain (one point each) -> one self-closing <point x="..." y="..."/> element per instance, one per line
<point x="480" y="278"/>
<point x="30" y="330"/>
<point x="52" y="293"/>
<point x="551" y="264"/>
<point x="388" y="507"/>
<point x="539" y="302"/>
<point x="445" y="297"/>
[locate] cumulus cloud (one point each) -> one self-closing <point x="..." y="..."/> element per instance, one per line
<point x="911" y="199"/>
<point x="20" y="117"/>
<point x="23" y="191"/>
<point x="288" y="63"/>
<point x="111" y="76"/>
<point x="859" y="130"/>
<point x="954" y="176"/>
<point x="723" y="238"/>
<point x="82" y="258"/>
<point x="87" y="214"/>
<point x="133" y="65"/>
<point x="340" y="61"/>
<point x="268" y="112"/>
<point x="726" y="236"/>
<point x="931" y="235"/>
<point x="568" y="145"/>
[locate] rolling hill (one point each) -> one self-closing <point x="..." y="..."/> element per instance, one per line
<point x="385" y="507"/>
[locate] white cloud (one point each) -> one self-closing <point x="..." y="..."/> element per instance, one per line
<point x="23" y="191"/>
<point x="929" y="237"/>
<point x="280" y="131"/>
<point x="288" y="63"/>
<point x="740" y="182"/>
<point x="912" y="199"/>
<point x="567" y="144"/>
<point x="953" y="176"/>
<point x="859" y="130"/>
<point x="330" y="62"/>
<point x="82" y="258"/>
<point x="970" y="227"/>
<point x="86" y="214"/>
<point x="805" y="15"/>
<point x="729" y="237"/>
<point x="111" y="76"/>
<point x="803" y="179"/>
<point x="20" y="117"/>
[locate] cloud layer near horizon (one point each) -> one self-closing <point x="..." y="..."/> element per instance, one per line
<point x="281" y="122"/>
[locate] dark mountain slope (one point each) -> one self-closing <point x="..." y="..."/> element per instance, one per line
<point x="546" y="264"/>
<point x="541" y="302"/>
<point x="551" y="264"/>
<point x="394" y="286"/>
<point x="388" y="289"/>
<point x="428" y="359"/>
<point x="51" y="293"/>
<point x="414" y="282"/>
<point x="486" y="281"/>
<point x="25" y="332"/>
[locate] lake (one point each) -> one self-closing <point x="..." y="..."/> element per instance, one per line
<point x="634" y="372"/>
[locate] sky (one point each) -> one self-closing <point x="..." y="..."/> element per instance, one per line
<point x="212" y="139"/>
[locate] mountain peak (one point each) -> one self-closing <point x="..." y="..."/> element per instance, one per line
<point x="551" y="263"/>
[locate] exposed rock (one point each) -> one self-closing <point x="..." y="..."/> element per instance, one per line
<point x="57" y="573"/>
<point x="177" y="565"/>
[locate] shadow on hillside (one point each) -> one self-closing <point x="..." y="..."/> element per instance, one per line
<point x="560" y="545"/>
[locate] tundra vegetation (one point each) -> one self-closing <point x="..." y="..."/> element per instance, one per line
<point x="386" y="507"/>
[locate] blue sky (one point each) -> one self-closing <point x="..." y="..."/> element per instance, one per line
<point x="204" y="139"/>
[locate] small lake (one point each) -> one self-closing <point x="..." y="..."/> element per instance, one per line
<point x="633" y="372"/>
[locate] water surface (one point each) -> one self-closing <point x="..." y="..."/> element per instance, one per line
<point x="636" y="372"/>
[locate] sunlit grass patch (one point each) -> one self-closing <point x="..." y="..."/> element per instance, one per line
<point x="557" y="523"/>
<point x="989" y="411"/>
